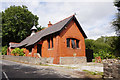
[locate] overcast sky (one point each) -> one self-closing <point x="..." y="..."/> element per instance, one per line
<point x="95" y="17"/>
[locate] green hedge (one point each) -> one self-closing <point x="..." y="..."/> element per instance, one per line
<point x="18" y="51"/>
<point x="4" y="50"/>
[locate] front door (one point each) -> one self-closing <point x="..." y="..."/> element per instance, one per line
<point x="39" y="50"/>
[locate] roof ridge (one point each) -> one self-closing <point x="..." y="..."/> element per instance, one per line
<point x="63" y="20"/>
<point x="56" y="23"/>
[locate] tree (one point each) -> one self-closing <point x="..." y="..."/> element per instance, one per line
<point x="116" y="24"/>
<point x="0" y="31"/>
<point x="101" y="47"/>
<point x="40" y="28"/>
<point x="89" y="43"/>
<point x="16" y="24"/>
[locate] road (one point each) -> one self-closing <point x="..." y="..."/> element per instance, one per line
<point x="18" y="70"/>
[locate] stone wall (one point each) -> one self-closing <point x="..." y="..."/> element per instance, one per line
<point x="111" y="68"/>
<point x="72" y="60"/>
<point x="29" y="60"/>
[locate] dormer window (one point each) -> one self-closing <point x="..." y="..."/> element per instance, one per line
<point x="72" y="43"/>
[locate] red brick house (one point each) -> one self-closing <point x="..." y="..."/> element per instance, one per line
<point x="63" y="41"/>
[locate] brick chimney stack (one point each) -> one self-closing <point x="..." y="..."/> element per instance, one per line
<point x="49" y="24"/>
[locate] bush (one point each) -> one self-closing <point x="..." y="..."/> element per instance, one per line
<point x="101" y="47"/>
<point x="104" y="54"/>
<point x="18" y="51"/>
<point x="4" y="50"/>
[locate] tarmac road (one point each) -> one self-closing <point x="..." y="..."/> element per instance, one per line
<point x="11" y="70"/>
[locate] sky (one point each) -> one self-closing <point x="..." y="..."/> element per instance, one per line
<point x="94" y="16"/>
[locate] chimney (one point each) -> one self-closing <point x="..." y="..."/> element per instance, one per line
<point x="49" y="24"/>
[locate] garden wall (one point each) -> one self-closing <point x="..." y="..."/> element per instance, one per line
<point x="111" y="68"/>
<point x="29" y="60"/>
<point x="72" y="60"/>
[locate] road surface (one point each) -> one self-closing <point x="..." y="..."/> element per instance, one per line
<point x="18" y="70"/>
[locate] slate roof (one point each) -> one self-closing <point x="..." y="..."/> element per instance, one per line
<point x="30" y="40"/>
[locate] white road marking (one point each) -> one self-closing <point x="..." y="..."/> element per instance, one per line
<point x="5" y="75"/>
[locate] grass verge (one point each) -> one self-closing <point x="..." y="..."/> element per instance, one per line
<point x="94" y="73"/>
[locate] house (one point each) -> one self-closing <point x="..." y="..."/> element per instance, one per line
<point x="63" y="41"/>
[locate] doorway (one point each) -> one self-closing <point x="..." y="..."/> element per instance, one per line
<point x="39" y="49"/>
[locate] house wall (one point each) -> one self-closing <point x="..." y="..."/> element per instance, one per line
<point x="71" y="31"/>
<point x="60" y="48"/>
<point x="67" y="55"/>
<point x="51" y="52"/>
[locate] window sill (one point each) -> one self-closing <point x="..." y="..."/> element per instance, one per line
<point x="30" y="52"/>
<point x="50" y="49"/>
<point x="72" y="48"/>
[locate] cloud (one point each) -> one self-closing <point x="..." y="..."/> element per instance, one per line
<point x="94" y="17"/>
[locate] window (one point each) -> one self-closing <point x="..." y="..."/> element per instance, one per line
<point x="50" y="43"/>
<point x="74" y="43"/>
<point x="68" y="42"/>
<point x="77" y="43"/>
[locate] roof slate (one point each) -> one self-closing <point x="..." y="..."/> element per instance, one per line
<point x="30" y="40"/>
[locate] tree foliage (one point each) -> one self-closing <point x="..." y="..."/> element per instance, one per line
<point x="0" y="31"/>
<point x="116" y="24"/>
<point x="40" y="28"/>
<point x="4" y="50"/>
<point x="103" y="46"/>
<point x="16" y="24"/>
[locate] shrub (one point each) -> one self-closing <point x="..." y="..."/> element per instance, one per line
<point x="18" y="51"/>
<point x="103" y="54"/>
<point x="4" y="50"/>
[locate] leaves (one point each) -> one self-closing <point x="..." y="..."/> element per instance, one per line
<point x="104" y="46"/>
<point x="4" y="50"/>
<point x="18" y="51"/>
<point x="116" y="25"/>
<point x="16" y="24"/>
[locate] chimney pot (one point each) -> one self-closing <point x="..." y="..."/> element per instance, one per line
<point x="49" y="24"/>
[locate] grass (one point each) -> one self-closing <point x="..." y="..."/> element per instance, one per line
<point x="45" y="65"/>
<point x="68" y="67"/>
<point x="71" y="67"/>
<point x="94" y="73"/>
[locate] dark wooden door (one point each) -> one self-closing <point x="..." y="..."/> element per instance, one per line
<point x="89" y="55"/>
<point x="39" y="49"/>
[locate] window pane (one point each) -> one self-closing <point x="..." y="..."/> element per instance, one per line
<point x="77" y="43"/>
<point x="52" y="41"/>
<point x="68" y="42"/>
<point x="73" y="43"/>
<point x="48" y="43"/>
